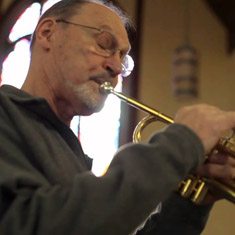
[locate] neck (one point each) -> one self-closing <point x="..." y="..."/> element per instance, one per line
<point x="39" y="86"/>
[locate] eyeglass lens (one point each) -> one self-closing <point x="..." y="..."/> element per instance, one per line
<point x="108" y="46"/>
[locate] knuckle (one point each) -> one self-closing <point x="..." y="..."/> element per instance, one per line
<point x="229" y="172"/>
<point x="208" y="170"/>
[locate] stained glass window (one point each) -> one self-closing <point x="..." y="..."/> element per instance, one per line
<point x="99" y="132"/>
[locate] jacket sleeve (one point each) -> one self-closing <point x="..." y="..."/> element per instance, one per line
<point x="139" y="177"/>
<point x="177" y="216"/>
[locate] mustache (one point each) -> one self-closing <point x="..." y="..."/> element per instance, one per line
<point x="103" y="77"/>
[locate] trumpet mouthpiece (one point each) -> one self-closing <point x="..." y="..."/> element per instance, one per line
<point x="106" y="88"/>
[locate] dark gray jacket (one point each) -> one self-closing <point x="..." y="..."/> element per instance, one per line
<point x="46" y="186"/>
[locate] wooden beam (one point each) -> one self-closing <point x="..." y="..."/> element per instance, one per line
<point x="224" y="11"/>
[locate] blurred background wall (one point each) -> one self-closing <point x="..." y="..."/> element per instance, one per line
<point x="163" y="30"/>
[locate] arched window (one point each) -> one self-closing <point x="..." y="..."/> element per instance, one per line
<point x="98" y="133"/>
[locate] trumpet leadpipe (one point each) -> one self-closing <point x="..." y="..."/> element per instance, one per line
<point x="107" y="88"/>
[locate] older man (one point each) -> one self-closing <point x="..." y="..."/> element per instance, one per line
<point x="46" y="186"/>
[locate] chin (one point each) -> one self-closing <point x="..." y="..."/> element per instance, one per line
<point x="89" y="109"/>
<point x="91" y="99"/>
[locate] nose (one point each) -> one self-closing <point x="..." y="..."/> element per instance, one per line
<point x="113" y="65"/>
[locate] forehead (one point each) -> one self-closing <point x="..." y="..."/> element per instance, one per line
<point x="99" y="16"/>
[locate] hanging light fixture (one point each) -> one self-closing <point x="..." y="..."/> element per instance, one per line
<point x="185" y="65"/>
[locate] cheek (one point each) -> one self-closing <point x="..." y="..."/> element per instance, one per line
<point x="83" y="57"/>
<point x="76" y="63"/>
<point x="70" y="61"/>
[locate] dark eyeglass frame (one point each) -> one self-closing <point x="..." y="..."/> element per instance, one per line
<point x="127" y="61"/>
<point x="82" y="25"/>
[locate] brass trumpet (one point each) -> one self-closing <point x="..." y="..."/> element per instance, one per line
<point x="194" y="187"/>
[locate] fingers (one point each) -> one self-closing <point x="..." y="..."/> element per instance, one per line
<point x="227" y="119"/>
<point x="208" y="122"/>
<point x="225" y="172"/>
<point x="221" y="159"/>
<point x="231" y="122"/>
<point x="218" y="166"/>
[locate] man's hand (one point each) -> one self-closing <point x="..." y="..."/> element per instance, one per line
<point x="208" y="122"/>
<point x="218" y="166"/>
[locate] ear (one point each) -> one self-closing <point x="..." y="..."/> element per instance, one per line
<point x="45" y="32"/>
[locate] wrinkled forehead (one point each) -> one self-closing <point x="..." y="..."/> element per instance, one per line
<point x="100" y="16"/>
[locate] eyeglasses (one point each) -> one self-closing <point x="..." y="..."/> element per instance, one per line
<point x="106" y="46"/>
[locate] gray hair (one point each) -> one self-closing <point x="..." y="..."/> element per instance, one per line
<point x="66" y="8"/>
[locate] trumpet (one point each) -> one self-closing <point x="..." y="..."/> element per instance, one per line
<point x="194" y="187"/>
